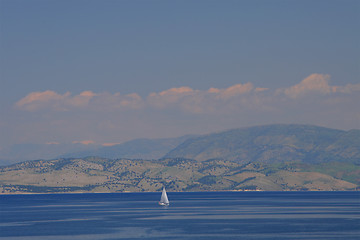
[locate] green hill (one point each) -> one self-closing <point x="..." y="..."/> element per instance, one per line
<point x="274" y="144"/>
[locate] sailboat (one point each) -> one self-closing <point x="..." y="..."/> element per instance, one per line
<point x="164" y="201"/>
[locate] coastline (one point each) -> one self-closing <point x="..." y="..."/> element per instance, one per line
<point x="215" y="191"/>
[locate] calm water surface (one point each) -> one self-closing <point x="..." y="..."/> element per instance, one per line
<point x="205" y="215"/>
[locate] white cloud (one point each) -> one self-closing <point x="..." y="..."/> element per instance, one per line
<point x="261" y="89"/>
<point x="232" y="91"/>
<point x="132" y="100"/>
<point x="199" y="101"/>
<point x="348" y="88"/>
<point x="80" y="100"/>
<point x="236" y="99"/>
<point x="109" y="144"/>
<point x="170" y="96"/>
<point x="114" y="118"/>
<point x="84" y="142"/>
<point x="318" y="84"/>
<point x="52" y="101"/>
<point x="176" y="91"/>
<point x="313" y="83"/>
<point x="37" y="100"/>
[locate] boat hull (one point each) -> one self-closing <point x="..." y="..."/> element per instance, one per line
<point x="163" y="204"/>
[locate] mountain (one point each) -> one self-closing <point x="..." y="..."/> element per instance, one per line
<point x="135" y="149"/>
<point x="274" y="144"/>
<point x="267" y="144"/>
<point x="105" y="175"/>
<point x="271" y="158"/>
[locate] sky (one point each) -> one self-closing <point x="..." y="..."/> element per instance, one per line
<point x="108" y="71"/>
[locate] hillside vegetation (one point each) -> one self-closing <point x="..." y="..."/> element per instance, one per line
<point x="104" y="175"/>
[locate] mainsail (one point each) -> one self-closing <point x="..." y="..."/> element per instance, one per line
<point x="164" y="199"/>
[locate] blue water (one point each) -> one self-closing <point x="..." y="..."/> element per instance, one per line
<point x="205" y="215"/>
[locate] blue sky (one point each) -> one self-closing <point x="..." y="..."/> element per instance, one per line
<point x="111" y="71"/>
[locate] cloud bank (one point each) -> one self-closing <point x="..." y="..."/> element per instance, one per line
<point x="52" y="101"/>
<point x="184" y="98"/>
<point x="107" y="118"/>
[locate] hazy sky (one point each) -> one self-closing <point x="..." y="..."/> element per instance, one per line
<point x="106" y="71"/>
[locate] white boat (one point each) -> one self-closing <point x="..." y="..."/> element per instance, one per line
<point x="164" y="201"/>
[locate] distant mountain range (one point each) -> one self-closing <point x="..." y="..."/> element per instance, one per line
<point x="273" y="144"/>
<point x="273" y="157"/>
<point x="266" y="144"/>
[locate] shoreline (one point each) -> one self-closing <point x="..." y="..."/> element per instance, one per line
<point x="127" y="192"/>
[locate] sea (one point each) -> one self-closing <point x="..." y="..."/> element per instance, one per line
<point x="191" y="215"/>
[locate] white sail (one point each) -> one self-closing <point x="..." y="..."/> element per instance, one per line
<point x="164" y="199"/>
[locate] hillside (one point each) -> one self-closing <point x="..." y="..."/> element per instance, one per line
<point x="274" y="144"/>
<point x="105" y="175"/>
<point x="272" y="158"/>
<point x="266" y="144"/>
